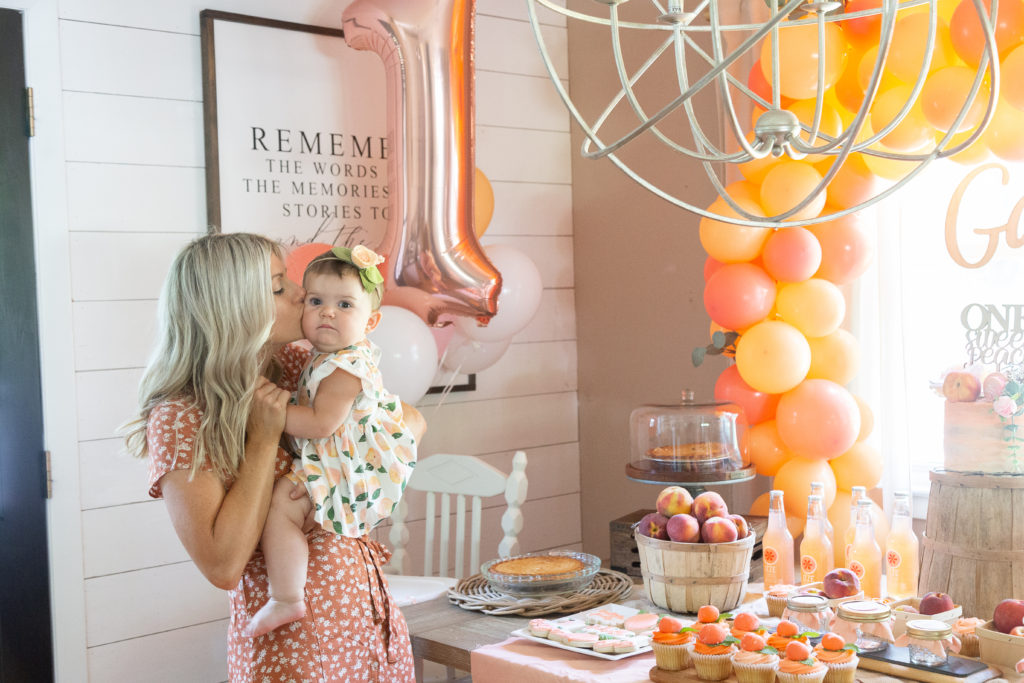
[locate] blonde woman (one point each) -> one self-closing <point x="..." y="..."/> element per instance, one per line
<point x="211" y="413"/>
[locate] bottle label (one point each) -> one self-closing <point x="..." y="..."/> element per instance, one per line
<point x="857" y="568"/>
<point x="771" y="556"/>
<point x="893" y="559"/>
<point x="808" y="565"/>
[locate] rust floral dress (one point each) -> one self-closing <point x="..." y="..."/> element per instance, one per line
<point x="353" y="631"/>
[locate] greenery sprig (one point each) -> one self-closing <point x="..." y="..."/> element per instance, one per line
<point x="721" y="343"/>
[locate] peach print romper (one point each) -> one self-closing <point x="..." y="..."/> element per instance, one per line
<point x="352" y="632"/>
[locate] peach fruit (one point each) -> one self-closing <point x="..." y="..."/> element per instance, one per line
<point x="841" y="583"/>
<point x="653" y="525"/>
<point x="1008" y="614"/>
<point x="708" y="614"/>
<point x="961" y="387"/>
<point x="708" y="504"/>
<point x="712" y="634"/>
<point x="670" y="625"/>
<point x="798" y="651"/>
<point x="787" y="629"/>
<point x="933" y="603"/>
<point x="719" y="530"/>
<point x="1017" y="631"/>
<point x="745" y="621"/>
<point x="683" y="528"/>
<point x="832" y="641"/>
<point x="993" y="385"/>
<point x="674" y="500"/>
<point x="752" y="642"/>
<point x="742" y="528"/>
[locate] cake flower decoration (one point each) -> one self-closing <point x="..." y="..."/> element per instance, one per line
<point x="1006" y="389"/>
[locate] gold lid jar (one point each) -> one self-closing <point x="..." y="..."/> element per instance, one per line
<point x="864" y="612"/>
<point x="809" y="611"/>
<point x="929" y="641"/>
<point x="868" y="620"/>
<point x="928" y="629"/>
<point x="689" y="443"/>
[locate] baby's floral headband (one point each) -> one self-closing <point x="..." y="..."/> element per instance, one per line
<point x="363" y="258"/>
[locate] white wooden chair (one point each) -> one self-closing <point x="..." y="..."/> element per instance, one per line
<point x="462" y="476"/>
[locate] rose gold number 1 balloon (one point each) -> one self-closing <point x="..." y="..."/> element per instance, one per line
<point x="435" y="264"/>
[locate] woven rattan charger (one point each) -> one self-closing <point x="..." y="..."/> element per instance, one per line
<point x="474" y="593"/>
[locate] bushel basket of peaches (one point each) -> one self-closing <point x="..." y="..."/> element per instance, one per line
<point x="693" y="552"/>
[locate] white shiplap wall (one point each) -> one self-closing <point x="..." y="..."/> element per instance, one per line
<point x="132" y="166"/>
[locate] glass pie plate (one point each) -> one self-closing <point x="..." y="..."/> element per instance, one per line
<point x="541" y="584"/>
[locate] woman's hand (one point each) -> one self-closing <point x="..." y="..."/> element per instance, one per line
<point x="267" y="413"/>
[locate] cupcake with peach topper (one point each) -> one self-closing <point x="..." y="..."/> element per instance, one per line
<point x="800" y="665"/>
<point x="777" y="596"/>
<point x="709" y="614"/>
<point x="712" y="654"/>
<point x="755" y="662"/>
<point x="671" y="644"/>
<point x="746" y="622"/>
<point x="786" y="632"/>
<point x="839" y="656"/>
<point x="963" y="629"/>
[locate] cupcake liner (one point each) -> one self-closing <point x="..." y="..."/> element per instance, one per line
<point x="671" y="657"/>
<point x="970" y="645"/>
<point x="755" y="673"/>
<point x="841" y="672"/>
<point x="815" y="677"/>
<point x="712" y="667"/>
<point x="776" y="604"/>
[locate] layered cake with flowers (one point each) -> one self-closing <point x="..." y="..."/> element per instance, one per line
<point x="983" y="419"/>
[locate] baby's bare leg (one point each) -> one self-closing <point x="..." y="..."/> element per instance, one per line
<point x="286" y="552"/>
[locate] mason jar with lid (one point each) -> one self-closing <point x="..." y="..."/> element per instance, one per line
<point x="809" y="611"/>
<point x="869" y="623"/>
<point x="928" y="641"/>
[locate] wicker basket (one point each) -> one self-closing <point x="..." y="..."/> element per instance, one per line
<point x="682" y="577"/>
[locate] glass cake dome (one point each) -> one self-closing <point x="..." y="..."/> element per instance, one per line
<point x="689" y="443"/>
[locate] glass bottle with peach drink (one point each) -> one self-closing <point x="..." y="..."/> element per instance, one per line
<point x="901" y="550"/>
<point x="777" y="545"/>
<point x="856" y="493"/>
<point x="865" y="555"/>
<point x="818" y="489"/>
<point x="816" y="556"/>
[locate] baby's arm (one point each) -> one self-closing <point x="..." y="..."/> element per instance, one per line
<point x="331" y="405"/>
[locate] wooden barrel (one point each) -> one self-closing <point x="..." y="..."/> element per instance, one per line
<point x="684" y="576"/>
<point x="973" y="544"/>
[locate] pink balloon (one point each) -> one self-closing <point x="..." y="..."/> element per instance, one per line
<point x="711" y="267"/>
<point x="739" y="295"/>
<point x="442" y="337"/>
<point x="299" y="257"/>
<point x="847" y="248"/>
<point x="757" y="405"/>
<point x="431" y="243"/>
<point x="791" y="254"/>
<point x="818" y="420"/>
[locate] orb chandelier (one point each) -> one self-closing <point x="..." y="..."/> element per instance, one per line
<point x="707" y="50"/>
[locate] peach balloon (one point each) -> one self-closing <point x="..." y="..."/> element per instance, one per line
<point x="757" y="405"/>
<point x="867" y="418"/>
<point x="299" y="257"/>
<point x="834" y="357"/>
<point x="744" y="190"/>
<point x="739" y="295"/>
<point x="847" y="248"/>
<point x="863" y="31"/>
<point x="1011" y="77"/>
<point x="975" y="153"/>
<point x="786" y="184"/>
<point x="848" y="90"/>
<point x="1005" y="133"/>
<point x="852" y="184"/>
<point x="839" y="516"/>
<point x="912" y="132"/>
<point x="968" y="37"/>
<point x="867" y="67"/>
<point x="756" y="169"/>
<point x="946" y="92"/>
<point x="730" y="243"/>
<point x="711" y="267"/>
<point x="816" y="307"/>
<point x="767" y="452"/>
<point x="909" y="42"/>
<point x="483" y="202"/>
<point x="795" y="477"/>
<point x="818" y="420"/>
<point x="773" y="357"/>
<point x="762" y="86"/>
<point x="831" y="124"/>
<point x="759" y="508"/>
<point x="859" y="466"/>
<point x="798" y="59"/>
<point x="791" y="254"/>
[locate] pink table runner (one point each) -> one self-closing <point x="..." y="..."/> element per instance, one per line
<point x="524" y="661"/>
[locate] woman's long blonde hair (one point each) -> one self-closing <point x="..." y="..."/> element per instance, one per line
<point x="215" y="315"/>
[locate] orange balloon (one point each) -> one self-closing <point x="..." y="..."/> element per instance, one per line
<point x="744" y="190"/>
<point x="912" y="132"/>
<point x="866" y="68"/>
<point x="968" y="37"/>
<point x="798" y="59"/>
<point x="757" y="405"/>
<point x="773" y="356"/>
<point x="786" y="185"/>
<point x="834" y="357"/>
<point x="818" y="420"/>
<point x="816" y="307"/>
<point x="839" y="516"/>
<point x="909" y="42"/>
<point x="299" y="257"/>
<point x="739" y="295"/>
<point x="762" y="86"/>
<point x="867" y="418"/>
<point x="1005" y="132"/>
<point x="848" y="90"/>
<point x="730" y="243"/>
<point x="946" y="92"/>
<point x="853" y="184"/>
<point x="791" y="254"/>
<point x="859" y="466"/>
<point x="711" y="267"/>
<point x="759" y="508"/>
<point x="756" y="169"/>
<point x="977" y="152"/>
<point x="483" y="202"/>
<point x="831" y="124"/>
<point x="1011" y="77"/>
<point x="863" y="31"/>
<point x="847" y="248"/>
<point x="795" y="477"/>
<point x="767" y="452"/>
